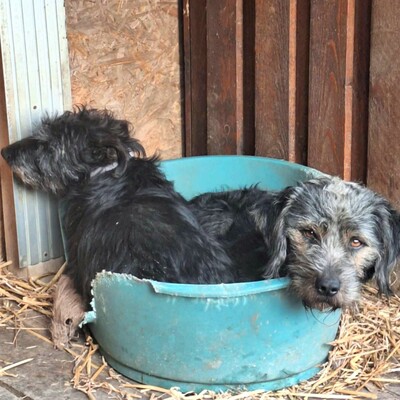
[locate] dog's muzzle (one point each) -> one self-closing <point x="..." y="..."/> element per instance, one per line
<point x="327" y="286"/>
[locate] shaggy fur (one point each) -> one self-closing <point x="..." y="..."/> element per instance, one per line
<point x="327" y="235"/>
<point x="68" y="312"/>
<point x="120" y="212"/>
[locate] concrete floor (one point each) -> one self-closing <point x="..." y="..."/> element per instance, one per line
<point x="48" y="376"/>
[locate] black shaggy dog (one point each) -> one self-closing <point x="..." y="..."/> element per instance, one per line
<point x="329" y="236"/>
<point x="121" y="213"/>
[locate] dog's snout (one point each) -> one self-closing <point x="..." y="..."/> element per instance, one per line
<point x="5" y="153"/>
<point x="327" y="286"/>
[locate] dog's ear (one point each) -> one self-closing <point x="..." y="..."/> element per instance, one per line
<point x="122" y="153"/>
<point x="122" y="159"/>
<point x="274" y="233"/>
<point x="125" y="151"/>
<point x="389" y="228"/>
<point x="121" y="130"/>
<point x="119" y="146"/>
<point x="126" y="146"/>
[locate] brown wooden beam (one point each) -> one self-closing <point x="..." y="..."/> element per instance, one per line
<point x="7" y="194"/>
<point x="271" y="72"/>
<point x="224" y="107"/>
<point x="195" y="76"/>
<point x="338" y="107"/>
<point x="384" y="104"/>
<point x="249" y="15"/>
<point x="357" y="90"/>
<point x="327" y="78"/>
<point x="218" y="40"/>
<point x="299" y="37"/>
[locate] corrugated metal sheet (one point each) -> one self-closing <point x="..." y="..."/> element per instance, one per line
<point x="37" y="80"/>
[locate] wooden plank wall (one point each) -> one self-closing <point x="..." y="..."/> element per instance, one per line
<point x="279" y="78"/>
<point x="384" y="101"/>
<point x="338" y="108"/>
<point x="219" y="76"/>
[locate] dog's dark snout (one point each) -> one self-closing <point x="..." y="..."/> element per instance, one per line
<point x="6" y="154"/>
<point x="327" y="286"/>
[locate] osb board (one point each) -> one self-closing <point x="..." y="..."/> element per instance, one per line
<point x="124" y="55"/>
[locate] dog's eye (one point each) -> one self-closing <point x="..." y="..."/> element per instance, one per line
<point x="309" y="233"/>
<point x="356" y="243"/>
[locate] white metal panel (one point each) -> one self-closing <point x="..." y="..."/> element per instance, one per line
<point x="37" y="80"/>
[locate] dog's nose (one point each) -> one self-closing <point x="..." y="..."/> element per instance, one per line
<point x="327" y="286"/>
<point x="6" y="154"/>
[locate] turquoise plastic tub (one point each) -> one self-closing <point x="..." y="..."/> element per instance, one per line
<point x="231" y="336"/>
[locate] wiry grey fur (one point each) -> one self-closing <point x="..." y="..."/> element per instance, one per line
<point x="307" y="232"/>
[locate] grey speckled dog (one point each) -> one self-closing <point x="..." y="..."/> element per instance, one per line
<point x="327" y="235"/>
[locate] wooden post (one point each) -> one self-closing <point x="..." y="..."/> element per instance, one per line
<point x="8" y="227"/>
<point x="299" y="37"/>
<point x="219" y="75"/>
<point x="224" y="107"/>
<point x="384" y="105"/>
<point x="195" y="77"/>
<point x="271" y="109"/>
<point x="338" y="108"/>
<point x="282" y="46"/>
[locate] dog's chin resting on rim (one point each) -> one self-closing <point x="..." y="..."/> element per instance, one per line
<point x="121" y="213"/>
<point x="329" y="236"/>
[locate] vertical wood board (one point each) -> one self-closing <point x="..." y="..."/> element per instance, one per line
<point x="327" y="85"/>
<point x="221" y="77"/>
<point x="299" y="38"/>
<point x="271" y="74"/>
<point x="195" y="65"/>
<point x="357" y="83"/>
<point x="384" y="104"/>
<point x="248" y="137"/>
<point x="9" y="229"/>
